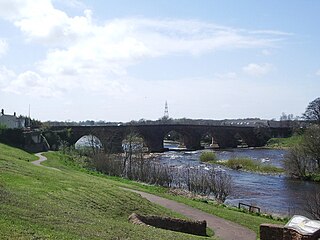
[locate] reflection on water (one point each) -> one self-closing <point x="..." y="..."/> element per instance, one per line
<point x="272" y="193"/>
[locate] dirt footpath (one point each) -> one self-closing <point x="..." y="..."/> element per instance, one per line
<point x="223" y="229"/>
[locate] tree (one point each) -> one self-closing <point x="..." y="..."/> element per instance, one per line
<point x="303" y="160"/>
<point x="312" y="205"/>
<point x="312" y="112"/>
<point x="285" y="117"/>
<point x="311" y="143"/>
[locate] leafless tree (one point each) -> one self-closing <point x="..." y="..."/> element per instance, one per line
<point x="313" y="204"/>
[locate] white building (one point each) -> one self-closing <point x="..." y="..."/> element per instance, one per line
<point x="12" y="121"/>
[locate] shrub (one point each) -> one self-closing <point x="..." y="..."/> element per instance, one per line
<point x="208" y="157"/>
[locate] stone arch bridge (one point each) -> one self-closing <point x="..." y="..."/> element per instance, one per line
<point x="225" y="135"/>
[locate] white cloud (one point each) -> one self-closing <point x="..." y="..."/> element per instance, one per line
<point x="257" y="70"/>
<point x="31" y="83"/>
<point x="6" y="76"/>
<point x="87" y="55"/>
<point x="3" y="47"/>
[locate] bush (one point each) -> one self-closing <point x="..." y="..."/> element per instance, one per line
<point x="208" y="157"/>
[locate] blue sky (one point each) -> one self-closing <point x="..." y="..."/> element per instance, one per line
<point x="121" y="60"/>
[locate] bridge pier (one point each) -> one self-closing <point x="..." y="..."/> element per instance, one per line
<point x="154" y="144"/>
<point x="225" y="139"/>
<point x="192" y="142"/>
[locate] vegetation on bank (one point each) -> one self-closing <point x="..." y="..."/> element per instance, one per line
<point x="303" y="159"/>
<point x="284" y="143"/>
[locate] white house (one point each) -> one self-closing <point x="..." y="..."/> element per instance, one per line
<point x="12" y="121"/>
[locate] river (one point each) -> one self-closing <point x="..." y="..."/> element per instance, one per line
<point x="274" y="194"/>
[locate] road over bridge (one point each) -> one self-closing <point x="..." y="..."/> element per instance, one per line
<point x="225" y="133"/>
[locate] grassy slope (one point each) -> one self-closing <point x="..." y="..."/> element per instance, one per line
<point x="40" y="203"/>
<point x="248" y="220"/>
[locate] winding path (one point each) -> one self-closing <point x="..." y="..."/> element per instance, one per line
<point x="223" y="229"/>
<point x="42" y="159"/>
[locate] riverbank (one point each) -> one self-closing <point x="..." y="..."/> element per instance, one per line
<point x="284" y="143"/>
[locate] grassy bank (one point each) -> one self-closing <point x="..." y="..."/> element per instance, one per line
<point x="40" y="203"/>
<point x="284" y="143"/>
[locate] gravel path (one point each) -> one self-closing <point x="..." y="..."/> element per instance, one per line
<point x="223" y="229"/>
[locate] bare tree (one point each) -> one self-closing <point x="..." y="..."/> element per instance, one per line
<point x="312" y="112"/>
<point x="312" y="205"/>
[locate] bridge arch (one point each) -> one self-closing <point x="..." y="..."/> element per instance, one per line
<point x="88" y="142"/>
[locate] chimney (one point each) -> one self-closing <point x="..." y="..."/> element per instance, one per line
<point x="14" y="114"/>
<point x="2" y="111"/>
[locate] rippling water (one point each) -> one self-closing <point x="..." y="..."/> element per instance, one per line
<point x="272" y="193"/>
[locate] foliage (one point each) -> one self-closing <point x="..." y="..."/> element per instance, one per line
<point x="312" y="112"/>
<point x="208" y="157"/>
<point x="12" y="136"/>
<point x="311" y="143"/>
<point x="249" y="164"/>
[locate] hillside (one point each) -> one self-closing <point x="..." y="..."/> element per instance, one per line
<point x="40" y="203"/>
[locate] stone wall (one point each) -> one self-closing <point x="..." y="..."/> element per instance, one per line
<point x="173" y="224"/>
<point x="279" y="232"/>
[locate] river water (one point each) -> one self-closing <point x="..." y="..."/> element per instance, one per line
<point x="275" y="194"/>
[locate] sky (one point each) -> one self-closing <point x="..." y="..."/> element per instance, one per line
<point x="121" y="60"/>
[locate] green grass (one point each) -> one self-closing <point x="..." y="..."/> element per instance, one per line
<point x="242" y="217"/>
<point x="251" y="165"/>
<point x="284" y="143"/>
<point x="41" y="203"/>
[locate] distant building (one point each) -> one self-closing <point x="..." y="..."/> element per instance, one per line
<point x="12" y="121"/>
